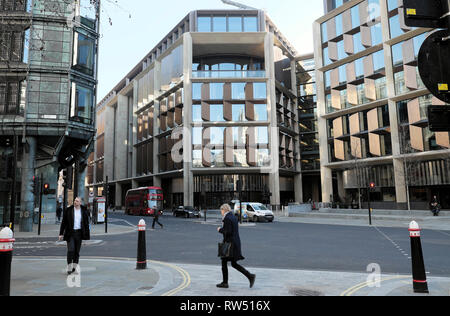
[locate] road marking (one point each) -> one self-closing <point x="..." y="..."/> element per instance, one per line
<point x="186" y="279"/>
<point x="360" y="286"/>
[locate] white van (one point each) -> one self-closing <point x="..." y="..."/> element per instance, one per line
<point x="254" y="211"/>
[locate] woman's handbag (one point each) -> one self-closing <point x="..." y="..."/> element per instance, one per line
<point x="225" y="250"/>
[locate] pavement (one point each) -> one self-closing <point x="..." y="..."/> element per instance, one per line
<point x="37" y="276"/>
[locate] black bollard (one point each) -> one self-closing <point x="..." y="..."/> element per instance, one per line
<point x="6" y="250"/>
<point x="418" y="266"/>
<point x="141" y="263"/>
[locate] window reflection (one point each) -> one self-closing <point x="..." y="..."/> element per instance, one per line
<point x="227" y="24"/>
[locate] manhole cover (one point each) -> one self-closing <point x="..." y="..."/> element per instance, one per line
<point x="304" y="292"/>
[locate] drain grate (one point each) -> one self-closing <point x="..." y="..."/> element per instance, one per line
<point x="304" y="292"/>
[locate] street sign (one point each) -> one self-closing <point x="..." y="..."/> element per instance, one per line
<point x="439" y="118"/>
<point x="425" y="13"/>
<point x="434" y="64"/>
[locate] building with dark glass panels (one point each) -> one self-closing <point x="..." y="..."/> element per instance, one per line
<point x="372" y="109"/>
<point x="47" y="94"/>
<point x="213" y="103"/>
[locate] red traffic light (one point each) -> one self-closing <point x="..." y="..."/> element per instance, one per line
<point x="372" y="185"/>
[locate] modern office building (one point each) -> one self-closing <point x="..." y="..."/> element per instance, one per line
<point x="372" y="109"/>
<point x="214" y="102"/>
<point x="47" y="94"/>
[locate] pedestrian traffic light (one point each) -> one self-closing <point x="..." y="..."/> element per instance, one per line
<point x="439" y="118"/>
<point x="46" y="189"/>
<point x="429" y="13"/>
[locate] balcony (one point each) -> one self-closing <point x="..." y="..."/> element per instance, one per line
<point x="228" y="74"/>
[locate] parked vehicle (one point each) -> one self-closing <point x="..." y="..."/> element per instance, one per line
<point x="187" y="212"/>
<point x="144" y="201"/>
<point x="255" y="211"/>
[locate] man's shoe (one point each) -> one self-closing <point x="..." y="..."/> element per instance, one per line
<point x="252" y="280"/>
<point x="222" y="285"/>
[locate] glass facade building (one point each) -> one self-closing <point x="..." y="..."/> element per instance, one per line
<point x="210" y="105"/>
<point x="372" y="107"/>
<point x="48" y="78"/>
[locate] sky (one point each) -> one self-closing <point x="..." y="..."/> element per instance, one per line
<point x="130" y="29"/>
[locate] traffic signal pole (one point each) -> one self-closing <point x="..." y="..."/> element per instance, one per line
<point x="41" y="189"/>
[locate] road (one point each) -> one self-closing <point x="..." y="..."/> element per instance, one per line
<point x="277" y="245"/>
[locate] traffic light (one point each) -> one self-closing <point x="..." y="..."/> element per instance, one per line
<point x="372" y="185"/>
<point x="35" y="185"/>
<point x="46" y="189"/>
<point x="434" y="54"/>
<point x="439" y="118"/>
<point x="426" y="13"/>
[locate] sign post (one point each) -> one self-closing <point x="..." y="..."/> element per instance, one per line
<point x="369" y="190"/>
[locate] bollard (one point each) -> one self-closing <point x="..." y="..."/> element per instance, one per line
<point x="6" y="249"/>
<point x="141" y="263"/>
<point x="418" y="266"/>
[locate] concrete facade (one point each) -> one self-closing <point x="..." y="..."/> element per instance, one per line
<point x="203" y="110"/>
<point x="372" y="105"/>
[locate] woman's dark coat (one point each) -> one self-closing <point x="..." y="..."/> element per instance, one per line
<point x="230" y="231"/>
<point x="68" y="221"/>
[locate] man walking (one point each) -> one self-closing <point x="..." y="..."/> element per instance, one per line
<point x="230" y="232"/>
<point x="156" y="219"/>
<point x="434" y="206"/>
<point x="74" y="229"/>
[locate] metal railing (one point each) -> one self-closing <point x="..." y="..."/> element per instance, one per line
<point x="229" y="74"/>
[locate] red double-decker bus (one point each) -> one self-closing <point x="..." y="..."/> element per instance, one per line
<point x="144" y="201"/>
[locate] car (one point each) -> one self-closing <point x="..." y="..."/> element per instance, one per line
<point x="255" y="211"/>
<point x="187" y="212"/>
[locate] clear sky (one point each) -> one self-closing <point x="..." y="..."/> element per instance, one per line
<point x="131" y="28"/>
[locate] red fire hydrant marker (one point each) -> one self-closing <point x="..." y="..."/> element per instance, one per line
<point x="418" y="267"/>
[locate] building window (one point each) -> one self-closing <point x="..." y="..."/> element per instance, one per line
<point x="196" y="112"/>
<point x="219" y="24"/>
<point x="234" y="24"/>
<point x="81" y="103"/>
<point x="227" y="24"/>
<point x="87" y="10"/>
<point x="13" y="46"/>
<point x="15" y="5"/>
<point x="238" y="113"/>
<point x="238" y="91"/>
<point x="84" y="53"/>
<point x="204" y="24"/>
<point x="12" y="98"/>
<point x="259" y="90"/>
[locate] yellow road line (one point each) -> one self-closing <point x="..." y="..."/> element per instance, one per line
<point x="184" y="284"/>
<point x="356" y="288"/>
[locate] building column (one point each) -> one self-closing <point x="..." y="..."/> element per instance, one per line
<point x="326" y="173"/>
<point x="274" y="169"/>
<point x="188" y="177"/>
<point x="340" y="185"/>
<point x="400" y="185"/>
<point x="118" y="196"/>
<point x="27" y="196"/>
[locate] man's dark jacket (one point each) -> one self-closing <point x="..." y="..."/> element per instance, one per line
<point x="68" y="221"/>
<point x="230" y="231"/>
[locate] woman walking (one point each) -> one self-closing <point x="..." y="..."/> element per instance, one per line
<point x="230" y="232"/>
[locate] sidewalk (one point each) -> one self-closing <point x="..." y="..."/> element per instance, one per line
<point x="118" y="277"/>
